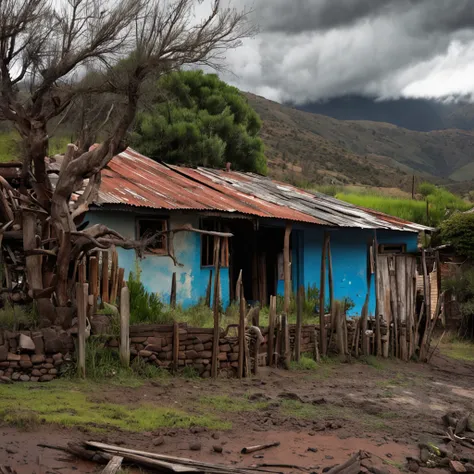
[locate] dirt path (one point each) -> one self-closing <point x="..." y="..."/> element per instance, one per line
<point x="319" y="417"/>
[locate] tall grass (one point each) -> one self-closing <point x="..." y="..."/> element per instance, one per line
<point x="435" y="207"/>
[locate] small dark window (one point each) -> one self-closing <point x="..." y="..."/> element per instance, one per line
<point x="392" y="248"/>
<point x="148" y="227"/>
<point x="208" y="241"/>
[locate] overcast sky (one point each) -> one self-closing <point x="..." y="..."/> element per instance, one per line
<point x="315" y="49"/>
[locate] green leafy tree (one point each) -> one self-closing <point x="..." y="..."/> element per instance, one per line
<point x="203" y="121"/>
<point x="458" y="230"/>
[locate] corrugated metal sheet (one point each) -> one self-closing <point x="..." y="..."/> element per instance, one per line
<point x="133" y="179"/>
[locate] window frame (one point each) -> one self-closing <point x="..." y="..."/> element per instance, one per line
<point x="388" y="249"/>
<point x="154" y="251"/>
<point x="224" y="250"/>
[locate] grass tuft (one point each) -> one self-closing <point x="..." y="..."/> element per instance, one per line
<point x="224" y="403"/>
<point x="305" y="363"/>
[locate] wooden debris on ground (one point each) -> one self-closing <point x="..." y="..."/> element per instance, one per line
<point x="114" y="456"/>
<point x="259" y="447"/>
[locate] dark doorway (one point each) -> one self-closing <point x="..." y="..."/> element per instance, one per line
<point x="256" y="253"/>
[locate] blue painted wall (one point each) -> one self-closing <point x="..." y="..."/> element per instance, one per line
<point x="348" y="246"/>
<point x="349" y="257"/>
<point x="157" y="270"/>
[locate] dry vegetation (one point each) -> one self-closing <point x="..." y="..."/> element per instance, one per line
<point x="327" y="150"/>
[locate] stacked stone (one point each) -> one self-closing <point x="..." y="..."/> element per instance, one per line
<point x="307" y="337"/>
<point x="154" y="344"/>
<point x="34" y="356"/>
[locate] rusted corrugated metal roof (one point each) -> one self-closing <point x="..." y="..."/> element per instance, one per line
<point x="133" y="179"/>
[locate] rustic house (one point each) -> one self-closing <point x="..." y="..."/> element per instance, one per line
<point x="138" y="196"/>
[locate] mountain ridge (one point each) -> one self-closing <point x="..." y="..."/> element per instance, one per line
<point x="360" y="151"/>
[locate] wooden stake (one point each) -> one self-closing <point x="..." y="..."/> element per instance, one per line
<point x="322" y="284"/>
<point x="427" y="300"/>
<point x="299" y="322"/>
<point x="175" y="346"/>
<point x="330" y="274"/>
<point x="94" y="281"/>
<point x="215" y="307"/>
<point x="237" y="286"/>
<point x="208" y="290"/>
<point x="287" y="269"/>
<point x="105" y="276"/>
<point x="82" y="293"/>
<point x="173" y="291"/>
<point x="271" y="331"/>
<point x="125" y="326"/>
<point x="120" y="280"/>
<point x="241" y="327"/>
<point x="82" y="273"/>
<point x="339" y="329"/>
<point x="114" y="277"/>
<point x="378" y="276"/>
<point x="286" y="353"/>
<point x="316" y="349"/>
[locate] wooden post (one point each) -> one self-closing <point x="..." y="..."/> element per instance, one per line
<point x="114" y="277"/>
<point x="175" y="346"/>
<point x="121" y="282"/>
<point x="299" y="322"/>
<point x="94" y="281"/>
<point x="271" y="331"/>
<point x="173" y="291"/>
<point x="438" y="272"/>
<point x="237" y="287"/>
<point x="287" y="269"/>
<point x="208" y="290"/>
<point x="125" y="326"/>
<point x="413" y="187"/>
<point x="330" y="274"/>
<point x="322" y="284"/>
<point x="82" y="296"/>
<point x="378" y="276"/>
<point x="241" y="328"/>
<point x="427" y="305"/>
<point x="82" y="274"/>
<point x="339" y="329"/>
<point x="286" y="353"/>
<point x="215" y="340"/>
<point x="105" y="276"/>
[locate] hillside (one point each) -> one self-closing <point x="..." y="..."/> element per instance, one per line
<point x="360" y="151"/>
<point x="423" y="115"/>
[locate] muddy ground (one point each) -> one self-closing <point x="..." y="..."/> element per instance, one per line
<point x="320" y="417"/>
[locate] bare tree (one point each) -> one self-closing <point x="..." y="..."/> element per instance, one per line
<point x="46" y="54"/>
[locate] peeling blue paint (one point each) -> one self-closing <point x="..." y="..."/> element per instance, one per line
<point x="157" y="270"/>
<point x="348" y="247"/>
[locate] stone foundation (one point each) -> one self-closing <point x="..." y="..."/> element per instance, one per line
<point x="34" y="356"/>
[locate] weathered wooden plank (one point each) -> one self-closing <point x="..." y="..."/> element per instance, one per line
<point x="286" y="268"/>
<point x="215" y="307"/>
<point x="82" y="293"/>
<point x="125" y="326"/>
<point x="322" y="298"/>
<point x="113" y="466"/>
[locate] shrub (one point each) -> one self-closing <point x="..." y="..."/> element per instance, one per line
<point x="15" y="317"/>
<point x="458" y="230"/>
<point x="145" y="307"/>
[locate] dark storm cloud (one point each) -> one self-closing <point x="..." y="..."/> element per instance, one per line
<point x="315" y="49"/>
<point x="309" y="15"/>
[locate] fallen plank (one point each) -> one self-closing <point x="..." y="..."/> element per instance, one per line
<point x="124" y="452"/>
<point x="113" y="466"/>
<point x="259" y="447"/>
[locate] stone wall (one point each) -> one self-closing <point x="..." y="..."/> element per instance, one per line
<point x="35" y="356"/>
<point x="154" y="344"/>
